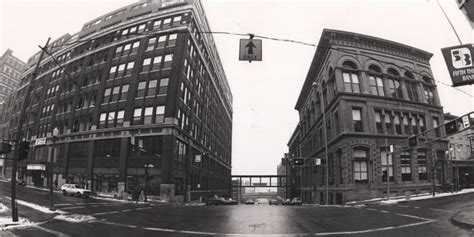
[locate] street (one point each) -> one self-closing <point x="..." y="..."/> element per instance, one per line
<point x="105" y="218"/>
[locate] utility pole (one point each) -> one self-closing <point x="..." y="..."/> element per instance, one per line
<point x="19" y="131"/>
<point x="388" y="155"/>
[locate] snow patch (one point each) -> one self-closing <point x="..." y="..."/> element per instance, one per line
<point x="429" y="196"/>
<point x="3" y="208"/>
<point x="74" y="218"/>
<point x="7" y="223"/>
<point x="38" y="207"/>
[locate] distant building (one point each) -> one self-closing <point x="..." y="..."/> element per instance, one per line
<point x="374" y="92"/>
<point x="11" y="70"/>
<point x="138" y="87"/>
<point x="282" y="170"/>
<point x="467" y="7"/>
<point x="461" y="154"/>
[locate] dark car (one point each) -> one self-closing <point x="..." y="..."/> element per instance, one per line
<point x="273" y="201"/>
<point x="296" y="201"/>
<point x="230" y="201"/>
<point x="286" y="202"/>
<point x="249" y="202"/>
<point x="215" y="201"/>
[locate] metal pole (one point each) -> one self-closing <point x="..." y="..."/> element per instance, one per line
<point x="146" y="181"/>
<point x="325" y="149"/>
<point x="388" y="169"/>
<point x="19" y="132"/>
<point x="50" y="176"/>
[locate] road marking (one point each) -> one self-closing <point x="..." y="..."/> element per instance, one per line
<point x="54" y="232"/>
<point x="443" y="210"/>
<point x="417" y="207"/>
<point x="70" y="208"/>
<point x="127" y="210"/>
<point x="414" y="217"/>
<point x="104" y="213"/>
<point x="371" y="209"/>
<point x="373" y="230"/>
<point x="383" y="211"/>
<point x="142" y="208"/>
<point x="63" y="204"/>
<point x="181" y="231"/>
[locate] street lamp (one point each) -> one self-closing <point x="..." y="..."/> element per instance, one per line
<point x="146" y="179"/>
<point x="323" y="109"/>
<point x="52" y="159"/>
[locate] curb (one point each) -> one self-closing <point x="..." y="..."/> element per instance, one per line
<point x="454" y="220"/>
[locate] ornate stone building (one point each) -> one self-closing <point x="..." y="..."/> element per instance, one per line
<point x="374" y="92"/>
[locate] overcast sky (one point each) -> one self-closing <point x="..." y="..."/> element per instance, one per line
<point x="265" y="93"/>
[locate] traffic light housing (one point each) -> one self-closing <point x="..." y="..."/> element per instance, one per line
<point x="5" y="148"/>
<point x="24" y="148"/>
<point x="298" y="161"/>
<point x="412" y="141"/>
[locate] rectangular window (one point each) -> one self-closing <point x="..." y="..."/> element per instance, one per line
<point x="422" y="166"/>
<point x="156" y="63"/>
<point x="168" y="61"/>
<point x="376" y="85"/>
<point x="421" y="123"/>
<point x="387" y="164"/>
<point x="172" y="40"/>
<point x="159" y="114"/>
<point x="166" y="22"/>
<point x="111" y="119"/>
<point x="120" y="70"/>
<point x="398" y="126"/>
<point x="102" y="120"/>
<point x="435" y="126"/>
<point x="107" y="95"/>
<point x="141" y="89"/>
<point x="137" y="116"/>
<point x="406" y="126"/>
<point x="115" y="94"/>
<point x="378" y="122"/>
<point x="157" y="24"/>
<point x="357" y="120"/>
<point x="146" y="64"/>
<point x="429" y="95"/>
<point x="412" y="91"/>
<point x="388" y="124"/>
<point x="135" y="47"/>
<point x="148" y="115"/>
<point x="151" y="88"/>
<point x="126" y="49"/>
<point x="163" y="86"/>
<point x="141" y="28"/>
<point x="123" y="95"/>
<point x="360" y="172"/>
<point x="161" y="42"/>
<point x="351" y="82"/>
<point x="120" y="115"/>
<point x="394" y="88"/>
<point x="118" y="51"/>
<point x="405" y="161"/>
<point x="151" y="44"/>
<point x="176" y="19"/>
<point x="129" y="70"/>
<point x="414" y="125"/>
<point x="112" y="72"/>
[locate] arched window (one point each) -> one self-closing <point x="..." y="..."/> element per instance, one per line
<point x="395" y="90"/>
<point x="376" y="83"/>
<point x="428" y="90"/>
<point x="351" y="78"/>
<point x="360" y="156"/>
<point x="411" y="86"/>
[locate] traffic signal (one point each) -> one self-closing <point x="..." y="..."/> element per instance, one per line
<point x="451" y="127"/>
<point x="412" y="141"/>
<point x="298" y="161"/>
<point x="24" y="148"/>
<point x="5" y="148"/>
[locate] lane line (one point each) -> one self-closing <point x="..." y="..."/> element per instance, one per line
<point x="54" y="232"/>
<point x="443" y="210"/>
<point x="373" y="230"/>
<point x="414" y="217"/>
<point x="104" y="213"/>
<point x="383" y="211"/>
<point x="127" y="210"/>
<point x="71" y="208"/>
<point x="417" y="207"/>
<point x="63" y="204"/>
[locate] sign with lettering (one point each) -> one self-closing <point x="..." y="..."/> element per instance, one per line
<point x="460" y="64"/>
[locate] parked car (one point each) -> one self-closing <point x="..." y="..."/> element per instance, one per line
<point x="21" y="182"/>
<point x="249" y="201"/>
<point x="75" y="190"/>
<point x="262" y="201"/>
<point x="296" y="201"/>
<point x="230" y="201"/>
<point x="215" y="201"/>
<point x="273" y="201"/>
<point x="286" y="202"/>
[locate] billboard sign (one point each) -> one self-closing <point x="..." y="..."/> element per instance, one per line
<point x="460" y="64"/>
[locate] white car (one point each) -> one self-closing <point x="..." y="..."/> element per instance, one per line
<point x="75" y="189"/>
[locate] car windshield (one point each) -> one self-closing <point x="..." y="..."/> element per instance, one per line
<point x="77" y="186"/>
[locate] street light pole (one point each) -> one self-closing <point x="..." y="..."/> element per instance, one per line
<point x="323" y="109"/>
<point x="50" y="165"/>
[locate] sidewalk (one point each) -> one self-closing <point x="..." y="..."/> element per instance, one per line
<point x="464" y="218"/>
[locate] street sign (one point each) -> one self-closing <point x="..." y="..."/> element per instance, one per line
<point x="465" y="121"/>
<point x="250" y="50"/>
<point x="460" y="64"/>
<point x="40" y="141"/>
<point x="318" y="161"/>
<point x="197" y="158"/>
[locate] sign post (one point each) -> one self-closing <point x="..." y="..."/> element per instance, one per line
<point x="460" y="64"/>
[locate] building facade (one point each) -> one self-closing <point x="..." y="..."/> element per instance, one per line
<point x="461" y="154"/>
<point x="137" y="94"/>
<point x="374" y="93"/>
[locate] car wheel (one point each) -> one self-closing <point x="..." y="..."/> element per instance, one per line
<point x="78" y="194"/>
<point x="64" y="193"/>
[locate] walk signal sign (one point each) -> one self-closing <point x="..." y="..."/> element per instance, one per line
<point x="250" y="50"/>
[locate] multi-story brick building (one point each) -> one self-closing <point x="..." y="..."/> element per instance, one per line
<point x="374" y="92"/>
<point x="138" y="86"/>
<point x="11" y="69"/>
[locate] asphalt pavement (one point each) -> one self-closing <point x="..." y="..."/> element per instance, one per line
<point x="110" y="218"/>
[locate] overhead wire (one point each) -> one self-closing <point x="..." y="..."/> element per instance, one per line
<point x="154" y="32"/>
